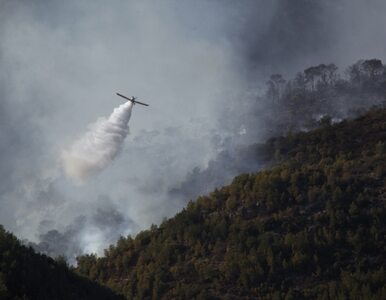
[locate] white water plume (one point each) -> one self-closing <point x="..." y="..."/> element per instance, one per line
<point x="98" y="147"/>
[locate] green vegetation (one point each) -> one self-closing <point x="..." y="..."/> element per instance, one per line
<point x="313" y="226"/>
<point x="27" y="275"/>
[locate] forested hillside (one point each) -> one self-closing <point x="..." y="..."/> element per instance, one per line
<point x="27" y="275"/>
<point x="318" y="95"/>
<point x="312" y="226"/>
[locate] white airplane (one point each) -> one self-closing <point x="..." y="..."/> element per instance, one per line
<point x="132" y="99"/>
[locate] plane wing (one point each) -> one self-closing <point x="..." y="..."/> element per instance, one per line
<point x="135" y="101"/>
<point x="123" y="96"/>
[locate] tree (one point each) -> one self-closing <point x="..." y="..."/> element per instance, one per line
<point x="275" y="87"/>
<point x="373" y="68"/>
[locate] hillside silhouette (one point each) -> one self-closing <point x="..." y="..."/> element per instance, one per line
<point x="25" y="274"/>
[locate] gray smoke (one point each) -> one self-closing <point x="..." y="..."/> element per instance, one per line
<point x="200" y="65"/>
<point x="85" y="234"/>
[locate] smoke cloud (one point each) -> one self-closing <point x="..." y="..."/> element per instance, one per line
<point x="99" y="146"/>
<point x="201" y="64"/>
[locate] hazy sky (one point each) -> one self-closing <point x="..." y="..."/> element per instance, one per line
<point x="195" y="62"/>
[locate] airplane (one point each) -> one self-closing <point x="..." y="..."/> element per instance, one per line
<point x="132" y="99"/>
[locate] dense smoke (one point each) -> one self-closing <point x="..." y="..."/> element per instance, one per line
<point x="202" y="66"/>
<point x="99" y="146"/>
<point x="84" y="234"/>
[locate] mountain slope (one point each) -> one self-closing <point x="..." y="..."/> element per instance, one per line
<point x="313" y="226"/>
<point x="317" y="95"/>
<point x="27" y="275"/>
